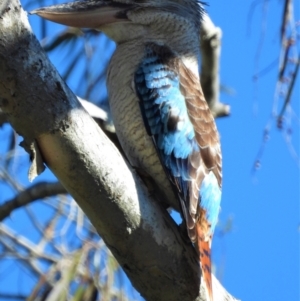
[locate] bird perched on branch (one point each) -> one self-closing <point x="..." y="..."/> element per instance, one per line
<point x="161" y="117"/>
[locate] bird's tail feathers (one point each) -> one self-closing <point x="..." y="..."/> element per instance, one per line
<point x="205" y="259"/>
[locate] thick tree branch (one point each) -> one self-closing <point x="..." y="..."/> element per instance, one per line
<point x="3" y="118"/>
<point x="141" y="235"/>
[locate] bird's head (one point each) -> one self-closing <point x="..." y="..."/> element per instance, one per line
<point x="124" y="20"/>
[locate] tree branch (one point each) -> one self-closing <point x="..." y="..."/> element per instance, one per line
<point x="141" y="235"/>
<point x="28" y="247"/>
<point x="5" y="296"/>
<point x="210" y="37"/>
<point x="31" y="194"/>
<point x="3" y="118"/>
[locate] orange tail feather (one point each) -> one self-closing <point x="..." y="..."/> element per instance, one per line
<point x="205" y="261"/>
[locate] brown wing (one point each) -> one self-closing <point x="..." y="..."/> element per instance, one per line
<point x="206" y="133"/>
<point x="203" y="122"/>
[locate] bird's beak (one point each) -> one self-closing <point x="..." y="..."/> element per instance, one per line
<point x="85" y="14"/>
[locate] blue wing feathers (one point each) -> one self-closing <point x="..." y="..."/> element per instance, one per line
<point x="159" y="90"/>
<point x="166" y="118"/>
<point x="210" y="198"/>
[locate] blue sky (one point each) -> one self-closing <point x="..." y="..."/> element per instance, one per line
<point x="259" y="258"/>
<point x="261" y="253"/>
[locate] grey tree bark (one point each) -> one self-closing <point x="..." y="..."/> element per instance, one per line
<point x="57" y="131"/>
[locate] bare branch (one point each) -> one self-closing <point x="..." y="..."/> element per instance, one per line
<point x="33" y="193"/>
<point x="70" y="33"/>
<point x="210" y="51"/>
<point x="286" y="17"/>
<point x="289" y="93"/>
<point x="10" y="250"/>
<point x="26" y="244"/>
<point x="4" y="296"/>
